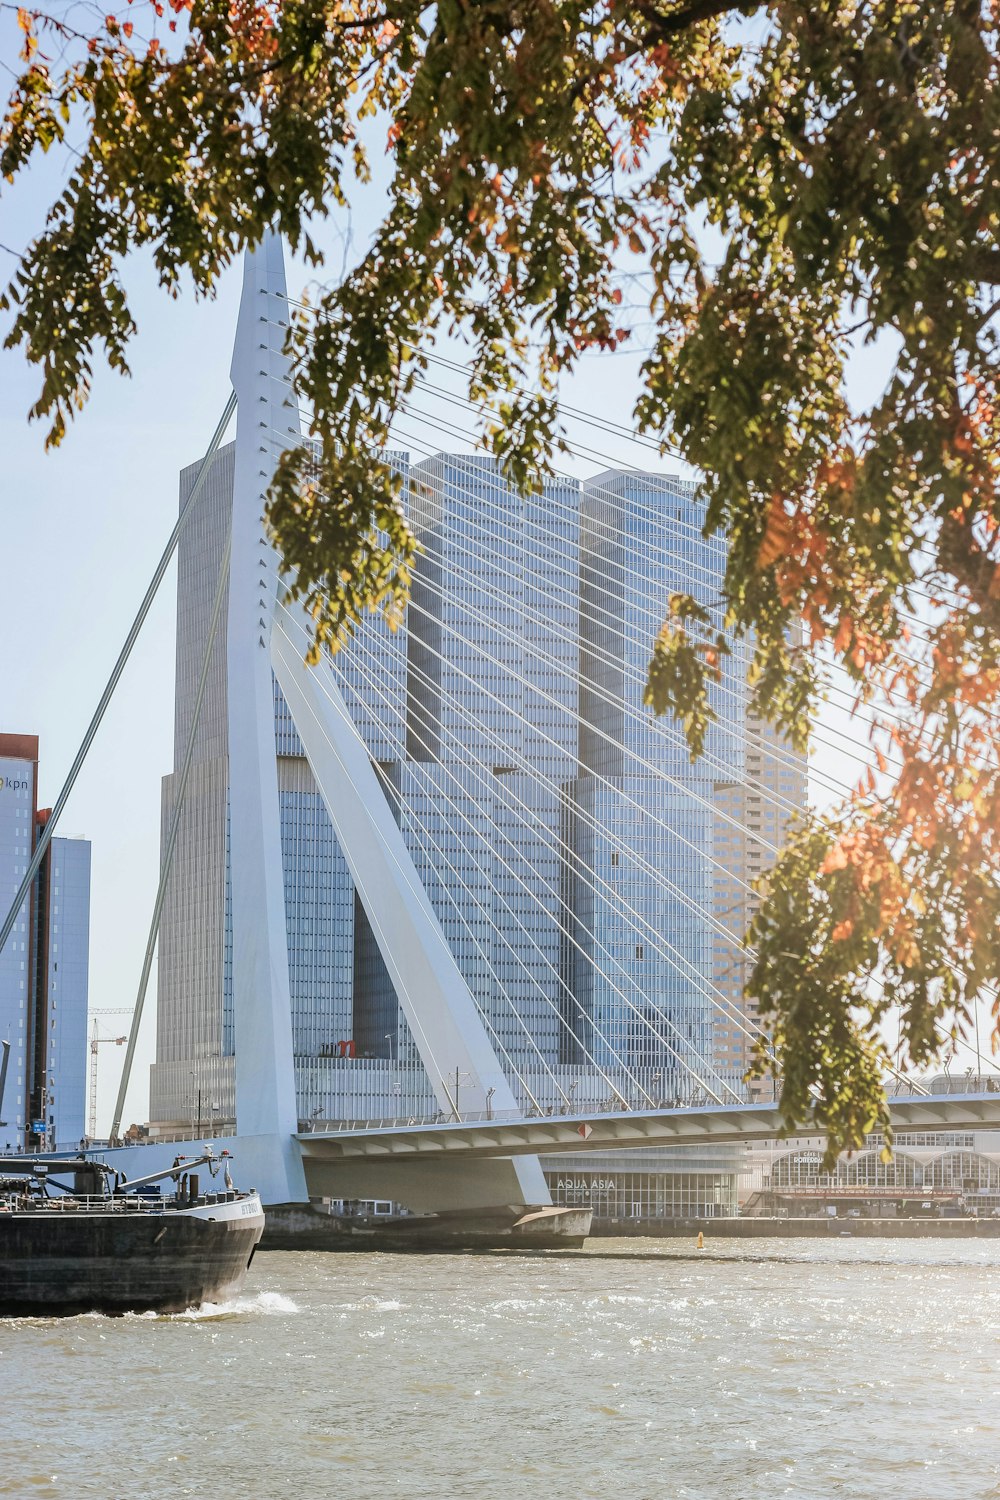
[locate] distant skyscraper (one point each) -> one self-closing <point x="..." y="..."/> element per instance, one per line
<point x="195" y="1034"/>
<point x="44" y="967"/>
<point x="490" y="745"/>
<point x="754" y="814"/>
<point x="643" y="813"/>
<point x="563" y="836"/>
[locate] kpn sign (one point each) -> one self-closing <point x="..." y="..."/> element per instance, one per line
<point x="16" y="780"/>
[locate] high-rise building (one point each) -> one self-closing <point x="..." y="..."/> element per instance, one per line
<point x="565" y="839"/>
<point x="194" y="1065"/>
<point x="752" y="821"/>
<point x="643" y="813"/>
<point x="44" y="966"/>
<point x="490" y="744"/>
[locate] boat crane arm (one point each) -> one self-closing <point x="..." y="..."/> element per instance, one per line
<point x="186" y="1165"/>
<point x="31" y="1166"/>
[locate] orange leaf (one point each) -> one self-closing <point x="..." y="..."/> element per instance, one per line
<point x="844" y="632"/>
<point x="842" y="931"/>
<point x="836" y="859"/>
<point x="907" y="952"/>
<point x="777" y="536"/>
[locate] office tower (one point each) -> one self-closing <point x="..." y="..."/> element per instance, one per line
<point x="643" y="812"/>
<point x="563" y="835"/>
<point x="752" y="822"/>
<point x="44" y="967"/>
<point x="192" y="1081"/>
<point x="490" y="748"/>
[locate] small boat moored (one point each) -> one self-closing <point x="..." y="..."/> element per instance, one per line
<point x="76" y="1237"/>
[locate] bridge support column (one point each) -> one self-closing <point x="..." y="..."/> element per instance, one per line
<point x="432" y="992"/>
<point x="265" y="1074"/>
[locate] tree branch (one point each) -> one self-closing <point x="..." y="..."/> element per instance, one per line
<point x="664" y="26"/>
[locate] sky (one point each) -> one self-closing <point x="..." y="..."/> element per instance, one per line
<point x="82" y="529"/>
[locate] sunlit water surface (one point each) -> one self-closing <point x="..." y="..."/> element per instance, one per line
<point x="643" y="1369"/>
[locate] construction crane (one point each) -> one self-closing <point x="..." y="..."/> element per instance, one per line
<point x="96" y="1042"/>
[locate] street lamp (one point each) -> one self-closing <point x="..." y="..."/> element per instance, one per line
<point x="195" y="1092"/>
<point x="456" y="1083"/>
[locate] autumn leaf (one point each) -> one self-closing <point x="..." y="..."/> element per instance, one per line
<point x="778" y="534"/>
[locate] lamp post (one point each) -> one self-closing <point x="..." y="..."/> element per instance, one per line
<point x="395" y="1088"/>
<point x="195" y="1095"/>
<point x="455" y="1084"/>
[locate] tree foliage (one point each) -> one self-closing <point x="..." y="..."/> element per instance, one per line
<point x="805" y="179"/>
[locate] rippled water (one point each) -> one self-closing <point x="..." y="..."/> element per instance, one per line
<point x="756" y="1369"/>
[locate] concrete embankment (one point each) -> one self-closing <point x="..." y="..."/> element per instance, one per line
<point x="760" y="1228"/>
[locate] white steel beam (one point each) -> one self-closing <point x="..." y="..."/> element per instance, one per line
<point x="446" y="1025"/>
<point x="265" y="1074"/>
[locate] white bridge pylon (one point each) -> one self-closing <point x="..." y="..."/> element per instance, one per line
<point x="265" y="634"/>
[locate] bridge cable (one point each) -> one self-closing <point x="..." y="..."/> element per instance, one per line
<point x="484" y="781"/>
<point x="167" y="855"/>
<point x="630" y="1004"/>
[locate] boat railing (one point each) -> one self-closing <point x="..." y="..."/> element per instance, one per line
<point x="122" y="1203"/>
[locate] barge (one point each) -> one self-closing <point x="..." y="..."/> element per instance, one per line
<point x="76" y="1237"/>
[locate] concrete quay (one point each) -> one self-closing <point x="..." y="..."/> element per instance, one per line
<point x="790" y="1229"/>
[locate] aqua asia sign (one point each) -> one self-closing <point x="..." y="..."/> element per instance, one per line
<point x="584" y="1188"/>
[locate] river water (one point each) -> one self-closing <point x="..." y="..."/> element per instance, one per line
<point x="814" y="1369"/>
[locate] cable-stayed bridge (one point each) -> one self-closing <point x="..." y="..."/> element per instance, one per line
<point x="542" y="900"/>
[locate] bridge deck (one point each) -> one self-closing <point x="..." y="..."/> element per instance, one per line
<point x="720" y="1124"/>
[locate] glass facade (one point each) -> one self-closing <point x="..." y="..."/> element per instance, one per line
<point x="642" y="822"/>
<point x="624" y="1186"/>
<point x="43" y="968"/>
<point x="970" y="1175"/>
<point x="563" y="835"/>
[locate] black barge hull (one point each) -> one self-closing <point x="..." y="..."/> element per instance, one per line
<point x="60" y="1263"/>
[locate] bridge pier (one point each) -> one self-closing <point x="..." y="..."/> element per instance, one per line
<point x="429" y="1185"/>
